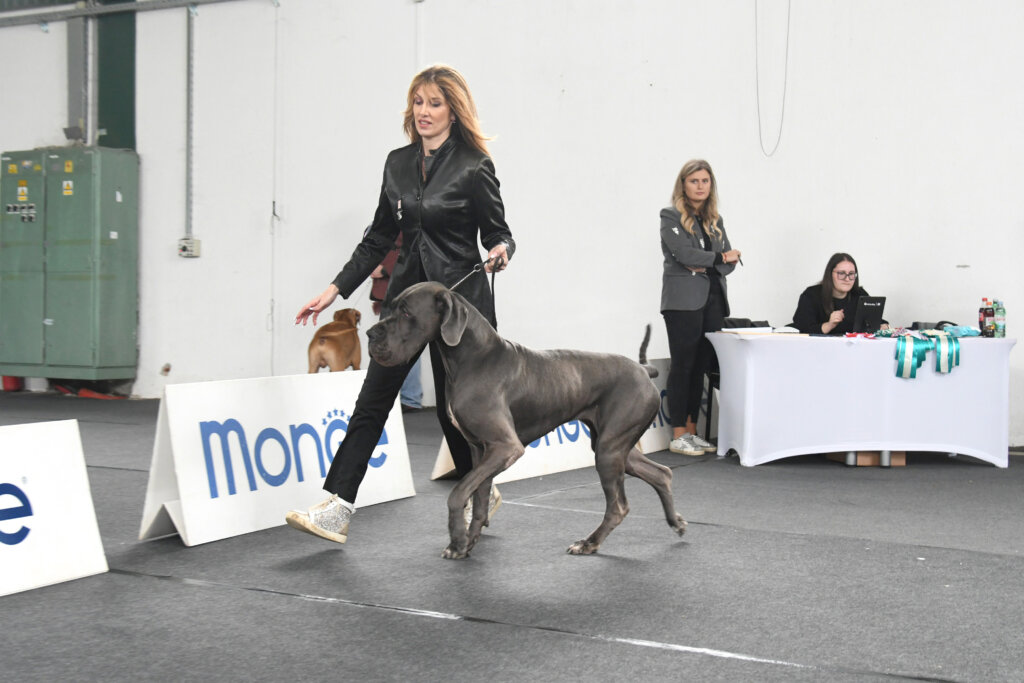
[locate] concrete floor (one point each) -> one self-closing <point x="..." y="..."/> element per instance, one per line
<point x="798" y="570"/>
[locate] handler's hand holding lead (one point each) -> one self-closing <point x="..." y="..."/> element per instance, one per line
<point x="497" y="259"/>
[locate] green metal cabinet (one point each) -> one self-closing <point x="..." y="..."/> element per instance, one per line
<point x="69" y="263"/>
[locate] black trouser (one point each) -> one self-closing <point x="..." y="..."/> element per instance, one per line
<point x="376" y="398"/>
<point x="692" y="354"/>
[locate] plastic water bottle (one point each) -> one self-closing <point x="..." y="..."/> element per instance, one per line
<point x="1000" y="318"/>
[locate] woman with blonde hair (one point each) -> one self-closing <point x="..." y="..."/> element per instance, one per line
<point x="441" y="194"/>
<point x="698" y="257"/>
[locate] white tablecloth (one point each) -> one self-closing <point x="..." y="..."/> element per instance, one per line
<point x="784" y="395"/>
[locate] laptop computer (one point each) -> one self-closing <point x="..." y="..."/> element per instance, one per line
<point x="869" y="314"/>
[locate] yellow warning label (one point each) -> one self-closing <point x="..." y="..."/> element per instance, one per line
<point x="22" y="183"/>
<point x="69" y="166"/>
<point x="68" y="186"/>
<point x="22" y="194"/>
<point x="12" y="169"/>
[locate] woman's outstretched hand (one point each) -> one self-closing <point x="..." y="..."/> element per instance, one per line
<point x="317" y="304"/>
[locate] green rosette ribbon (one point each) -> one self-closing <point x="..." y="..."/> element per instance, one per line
<point x="911" y="353"/>
<point x="947" y="351"/>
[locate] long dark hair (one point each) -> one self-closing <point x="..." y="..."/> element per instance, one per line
<point x="827" y="290"/>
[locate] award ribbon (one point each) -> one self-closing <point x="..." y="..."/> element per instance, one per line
<point x="911" y="352"/>
<point x="947" y="351"/>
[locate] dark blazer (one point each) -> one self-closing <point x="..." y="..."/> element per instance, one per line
<point x="681" y="288"/>
<point x="810" y="312"/>
<point x="441" y="220"/>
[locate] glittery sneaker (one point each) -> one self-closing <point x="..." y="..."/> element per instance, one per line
<point x="492" y="506"/>
<point x="683" y="445"/>
<point x="328" y="519"/>
<point x="706" y="446"/>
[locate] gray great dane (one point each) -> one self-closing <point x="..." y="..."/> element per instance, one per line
<point x="502" y="395"/>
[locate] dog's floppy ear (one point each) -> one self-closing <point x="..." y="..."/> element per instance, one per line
<point x="453" y="318"/>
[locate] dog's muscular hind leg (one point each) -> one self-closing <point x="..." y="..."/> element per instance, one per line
<point x="611" y="471"/>
<point x="660" y="478"/>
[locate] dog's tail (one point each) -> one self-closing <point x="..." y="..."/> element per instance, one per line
<point x="652" y="371"/>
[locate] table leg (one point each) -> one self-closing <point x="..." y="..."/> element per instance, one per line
<point x="885" y="459"/>
<point x="851" y="458"/>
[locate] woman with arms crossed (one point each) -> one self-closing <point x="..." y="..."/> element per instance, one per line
<point x="698" y="256"/>
<point x="441" y="194"/>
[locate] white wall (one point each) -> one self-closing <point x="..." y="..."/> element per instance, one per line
<point x="900" y="143"/>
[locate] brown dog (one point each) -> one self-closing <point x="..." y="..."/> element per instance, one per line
<point x="336" y="345"/>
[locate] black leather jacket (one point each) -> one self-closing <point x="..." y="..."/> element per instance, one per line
<point x="439" y="218"/>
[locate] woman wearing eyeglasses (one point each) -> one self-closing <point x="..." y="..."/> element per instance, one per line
<point x="829" y="306"/>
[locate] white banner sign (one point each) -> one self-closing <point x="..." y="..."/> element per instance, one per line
<point x="48" y="531"/>
<point x="568" y="447"/>
<point x="657" y="437"/>
<point x="234" y="456"/>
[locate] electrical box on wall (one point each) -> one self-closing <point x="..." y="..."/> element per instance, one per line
<point x="69" y="263"/>
<point x="188" y="247"/>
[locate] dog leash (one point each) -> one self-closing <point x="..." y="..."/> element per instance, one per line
<point x="477" y="269"/>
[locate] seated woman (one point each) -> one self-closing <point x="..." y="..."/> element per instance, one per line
<point x="829" y="307"/>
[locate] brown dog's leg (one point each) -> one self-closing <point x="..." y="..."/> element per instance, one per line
<point x="332" y="360"/>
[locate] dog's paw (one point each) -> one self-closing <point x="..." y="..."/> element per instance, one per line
<point x="583" y="547"/>
<point x="680" y="525"/>
<point x="452" y="553"/>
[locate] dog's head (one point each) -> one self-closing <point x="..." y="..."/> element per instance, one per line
<point x="349" y="315"/>
<point x="419" y="315"/>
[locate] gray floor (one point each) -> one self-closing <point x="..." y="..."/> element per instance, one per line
<point x="799" y="570"/>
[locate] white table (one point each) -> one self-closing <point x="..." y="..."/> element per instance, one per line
<point x="783" y="395"/>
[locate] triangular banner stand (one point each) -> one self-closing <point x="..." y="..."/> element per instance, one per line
<point x="48" y="530"/>
<point x="233" y="457"/>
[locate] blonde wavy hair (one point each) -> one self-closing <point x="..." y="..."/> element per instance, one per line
<point x="709" y="211"/>
<point x="456" y="93"/>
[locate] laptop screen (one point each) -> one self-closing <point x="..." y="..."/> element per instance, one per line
<point x="869" y="314"/>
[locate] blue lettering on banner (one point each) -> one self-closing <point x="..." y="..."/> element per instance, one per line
<point x="280" y="449"/>
<point x="19" y="512"/>
<point x="570" y="431"/>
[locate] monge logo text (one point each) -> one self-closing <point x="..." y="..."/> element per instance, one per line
<point x="319" y="445"/>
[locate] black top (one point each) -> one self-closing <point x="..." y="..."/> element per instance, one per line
<point x="810" y="312"/>
<point x="441" y="220"/>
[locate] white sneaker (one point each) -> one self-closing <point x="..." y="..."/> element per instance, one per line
<point x="492" y="506"/>
<point x="328" y="519"/>
<point x="707" y="446"/>
<point x="684" y="446"/>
